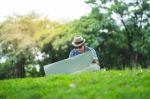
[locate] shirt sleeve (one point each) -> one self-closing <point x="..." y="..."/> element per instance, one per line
<point x="94" y="54"/>
<point x="71" y="54"/>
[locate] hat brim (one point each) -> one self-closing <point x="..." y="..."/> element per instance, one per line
<point x="77" y="45"/>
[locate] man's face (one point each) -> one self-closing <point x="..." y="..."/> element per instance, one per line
<point x="80" y="49"/>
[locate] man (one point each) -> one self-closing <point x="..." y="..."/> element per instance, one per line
<point x="79" y="44"/>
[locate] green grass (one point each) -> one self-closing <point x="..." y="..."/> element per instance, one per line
<point x="133" y="84"/>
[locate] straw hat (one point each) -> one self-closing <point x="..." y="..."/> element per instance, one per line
<point x="78" y="41"/>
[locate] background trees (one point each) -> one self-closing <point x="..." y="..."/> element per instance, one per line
<point x="118" y="30"/>
<point x="131" y="21"/>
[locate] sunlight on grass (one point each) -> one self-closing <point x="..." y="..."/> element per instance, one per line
<point x="103" y="84"/>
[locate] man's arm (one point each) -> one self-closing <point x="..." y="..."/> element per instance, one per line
<point x="95" y="58"/>
<point x="72" y="53"/>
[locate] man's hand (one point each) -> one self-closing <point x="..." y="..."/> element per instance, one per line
<point x="95" y="61"/>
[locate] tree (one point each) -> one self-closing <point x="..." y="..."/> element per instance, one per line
<point x="17" y="42"/>
<point x="133" y="29"/>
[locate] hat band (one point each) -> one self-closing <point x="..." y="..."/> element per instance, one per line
<point x="78" y="42"/>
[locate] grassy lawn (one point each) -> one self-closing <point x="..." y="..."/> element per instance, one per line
<point x="127" y="84"/>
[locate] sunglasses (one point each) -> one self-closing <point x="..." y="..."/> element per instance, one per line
<point x="78" y="47"/>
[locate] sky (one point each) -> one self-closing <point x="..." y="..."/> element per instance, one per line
<point x="54" y="9"/>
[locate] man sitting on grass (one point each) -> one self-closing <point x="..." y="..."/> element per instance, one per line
<point x="80" y="47"/>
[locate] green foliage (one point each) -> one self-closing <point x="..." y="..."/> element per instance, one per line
<point x="23" y="37"/>
<point x="127" y="33"/>
<point x="118" y="30"/>
<point x="31" y="71"/>
<point x="7" y="70"/>
<point x="107" y="85"/>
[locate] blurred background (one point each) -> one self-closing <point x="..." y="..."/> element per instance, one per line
<point x="34" y="33"/>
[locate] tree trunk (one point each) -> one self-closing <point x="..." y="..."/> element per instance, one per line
<point x="20" y="66"/>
